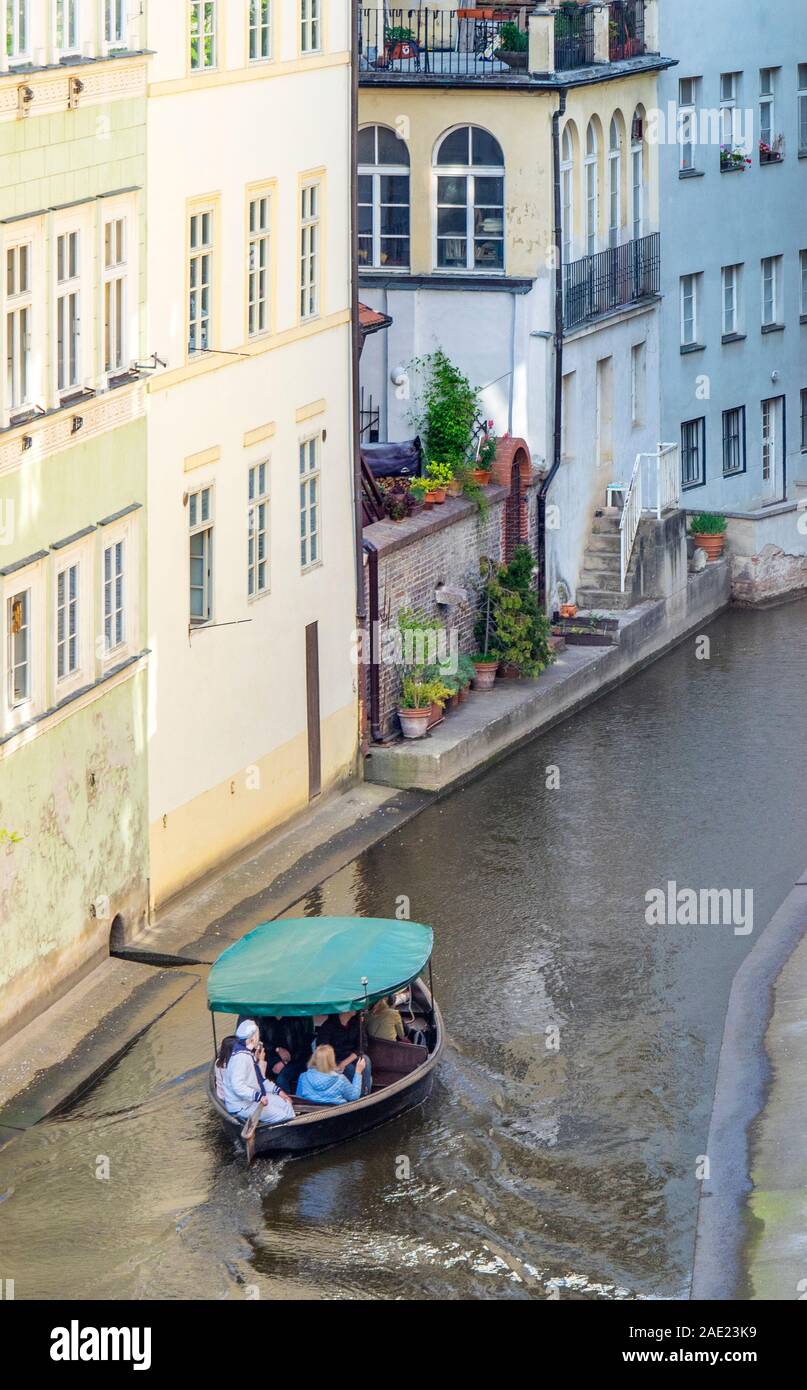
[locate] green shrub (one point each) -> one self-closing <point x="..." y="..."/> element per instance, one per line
<point x="511" y="625"/>
<point x="446" y="409"/>
<point x="708" y="524"/>
<point x="512" y="39"/>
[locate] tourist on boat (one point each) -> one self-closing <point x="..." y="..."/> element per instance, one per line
<point x="225" y="1053"/>
<point x="288" y="1043"/>
<point x="384" y="1022"/>
<point x="322" y="1080"/>
<point x="245" y="1084"/>
<point x="342" y="1032"/>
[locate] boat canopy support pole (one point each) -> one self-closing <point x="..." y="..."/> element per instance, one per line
<point x="431" y="988"/>
<point x="215" y="1040"/>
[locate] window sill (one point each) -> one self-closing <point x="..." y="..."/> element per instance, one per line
<point x="686" y="348"/>
<point x="734" y="169"/>
<point x="691" y="487"/>
<point x="734" y="337"/>
<point x="734" y="472"/>
<point x="773" y="328"/>
<point x="691" y="173"/>
<point x="309" y="569"/>
<point x="780" y="159"/>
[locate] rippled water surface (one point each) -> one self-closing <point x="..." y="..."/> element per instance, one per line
<point x="529" y="1166"/>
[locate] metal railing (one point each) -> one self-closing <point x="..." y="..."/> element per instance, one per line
<point x="625" y="29"/>
<point x="574" y="37"/>
<point x="598" y="284"/>
<point x="455" y="43"/>
<point x="658" y="493"/>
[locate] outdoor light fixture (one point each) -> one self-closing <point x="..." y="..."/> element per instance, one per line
<point x="78" y="424"/>
<point x="27" y="442"/>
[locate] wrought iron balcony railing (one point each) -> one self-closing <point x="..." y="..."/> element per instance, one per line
<point x="625" y="29"/>
<point x="610" y="280"/>
<point x="574" y="37"/>
<point x="456" y="43"/>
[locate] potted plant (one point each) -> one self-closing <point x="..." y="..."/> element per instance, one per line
<point x="446" y="409"/>
<point x="425" y="491"/>
<point x="513" y="47"/>
<point x="440" y="475"/>
<point x="485" y="459"/>
<point x="415" y="709"/>
<point x="708" y="531"/>
<point x="466" y="672"/>
<point x="522" y="628"/>
<point x="732" y="158"/>
<point x="399" y="500"/>
<point x="486" y="659"/>
<point x="399" y="43"/>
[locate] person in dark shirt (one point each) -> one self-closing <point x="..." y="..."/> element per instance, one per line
<point x="287" y="1043"/>
<point x="342" y="1032"/>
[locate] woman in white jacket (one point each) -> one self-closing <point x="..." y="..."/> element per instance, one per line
<point x="245" y="1085"/>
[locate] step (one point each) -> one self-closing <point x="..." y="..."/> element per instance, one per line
<point x="608" y="560"/>
<point x="603" y="599"/>
<point x="605" y="543"/>
<point x="606" y="524"/>
<point x="601" y="579"/>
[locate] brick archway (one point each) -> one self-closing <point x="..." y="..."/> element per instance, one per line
<point x="513" y="470"/>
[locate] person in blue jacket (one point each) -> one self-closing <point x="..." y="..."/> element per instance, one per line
<point x="323" y="1082"/>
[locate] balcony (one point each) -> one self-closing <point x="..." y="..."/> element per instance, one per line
<point x="439" y="43"/>
<point x="574" y="37"/>
<point x="611" y="280"/>
<point x="626" y="31"/>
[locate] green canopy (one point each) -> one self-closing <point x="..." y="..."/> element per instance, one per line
<point x="315" y="965"/>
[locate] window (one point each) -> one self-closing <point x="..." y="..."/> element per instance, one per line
<point x="689" y="310"/>
<point x="592" y="190"/>
<point x="769" y="409"/>
<point x="804" y="421"/>
<point x="693" y="453"/>
<point x="802" y="108"/>
<point x="766" y="109"/>
<point x="732" y="299"/>
<point x="729" y="114"/>
<point x="803" y="283"/>
<point x="637" y="171"/>
<point x="114" y="595"/>
<point x="567" y="193"/>
<point x="67" y="31"/>
<point x="260" y="30"/>
<point x="19" y="310"/>
<point x="17" y="29"/>
<point x="614" y="183"/>
<point x="734" y="440"/>
<point x="638" y="383"/>
<point x="259" y="264"/>
<point x="470" y="201"/>
<point x="67" y="621"/>
<point x="204" y="37"/>
<point x="115" y="35"/>
<point x="68" y="312"/>
<point x="200" y="280"/>
<point x="115" y="294"/>
<point x="687" y="121"/>
<point x="770" y="291"/>
<point x="310" y="550"/>
<point x="310" y="25"/>
<point x="569" y="416"/>
<point x="383" y="199"/>
<point x="200" y="522"/>
<point x="20" y="674"/>
<point x="258" y="531"/>
<point x="309" y="250"/>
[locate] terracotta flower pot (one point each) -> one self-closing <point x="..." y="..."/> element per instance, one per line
<point x="509" y="671"/>
<point x="713" y="545"/>
<point x="454" y="488"/>
<point x="439" y="495"/>
<point x="485" y="677"/>
<point x="414" y="722"/>
<point x="430" y="499"/>
<point x="483" y="476"/>
<point x="568" y="610"/>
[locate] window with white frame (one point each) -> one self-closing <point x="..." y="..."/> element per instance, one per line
<point x="68" y="649"/>
<point x="567" y="193"/>
<point x="204" y="35"/>
<point x="768" y="441"/>
<point x="470" y="201"/>
<point x="114" y="594"/>
<point x="310" y="548"/>
<point x="383" y="231"/>
<point x="687" y="121"/>
<point x="310" y="26"/>
<point x="693" y="453"/>
<point x="614" y="182"/>
<point x="592" y="189"/>
<point x="638" y="383"/>
<point x="68" y="312"/>
<point x="18" y="30"/>
<point x="115" y="273"/>
<point x="802" y="108"/>
<point x="67" y="36"/>
<point x="200" y="524"/>
<point x="734" y="440"/>
<point x="771" y="274"/>
<point x="260" y="30"/>
<point x="259" y="264"/>
<point x="729" y="112"/>
<point x="803" y="283"/>
<point x="258" y="531"/>
<point x="19" y="322"/>
<point x="689" y="310"/>
<point x="310" y="227"/>
<point x="115" y="35"/>
<point x="19" y="640"/>
<point x="200" y="280"/>
<point x="732" y="279"/>
<point x="767" y="129"/>
<point x="637" y="173"/>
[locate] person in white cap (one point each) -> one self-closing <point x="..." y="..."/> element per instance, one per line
<point x="245" y="1086"/>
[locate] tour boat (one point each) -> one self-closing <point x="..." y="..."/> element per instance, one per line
<point x="330" y="965"/>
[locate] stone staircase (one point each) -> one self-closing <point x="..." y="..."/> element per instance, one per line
<point x="599" y="584"/>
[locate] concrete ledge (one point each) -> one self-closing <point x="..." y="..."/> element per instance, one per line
<point x="492" y="724"/>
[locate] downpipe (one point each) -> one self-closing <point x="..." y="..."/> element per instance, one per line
<point x="371" y="552"/>
<point x="557" y="432"/>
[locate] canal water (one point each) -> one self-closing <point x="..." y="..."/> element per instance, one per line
<point x="559" y="1152"/>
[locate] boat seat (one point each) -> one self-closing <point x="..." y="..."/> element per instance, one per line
<point x="392" y="1060"/>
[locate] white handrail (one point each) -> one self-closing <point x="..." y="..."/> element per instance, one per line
<point x="665" y="496"/>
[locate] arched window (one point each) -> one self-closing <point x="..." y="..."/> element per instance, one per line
<point x="383" y="199"/>
<point x="592" y="190"/>
<point x="567" y="193"/>
<point x="614" y="183"/>
<point x="469" y="176"/>
<point x="637" y="173"/>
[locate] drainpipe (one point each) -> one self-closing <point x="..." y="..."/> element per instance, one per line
<point x="361" y="603"/>
<point x="375" y="677"/>
<point x="558" y="415"/>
